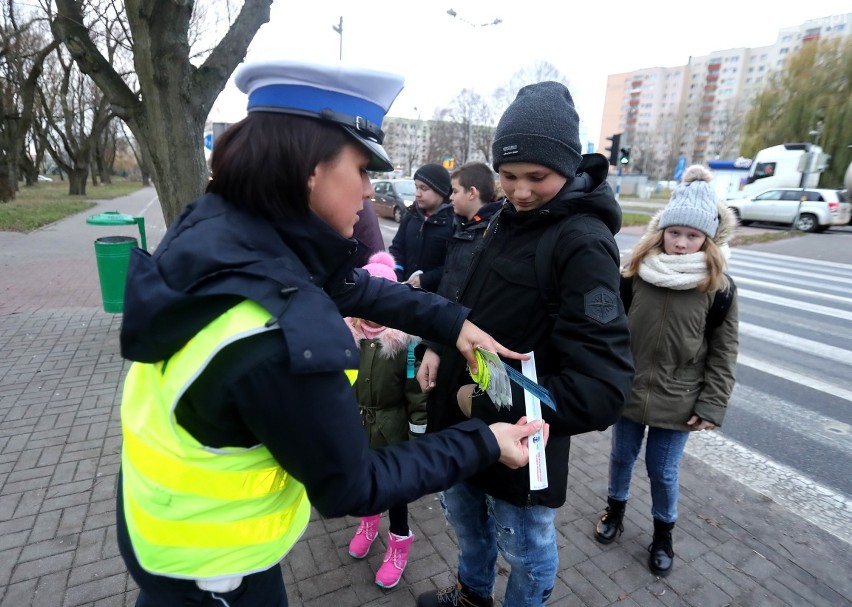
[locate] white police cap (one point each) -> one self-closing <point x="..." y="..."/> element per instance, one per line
<point x="355" y="98"/>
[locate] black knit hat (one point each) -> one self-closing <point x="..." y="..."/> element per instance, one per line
<point x="436" y="177"/>
<point x="540" y="126"/>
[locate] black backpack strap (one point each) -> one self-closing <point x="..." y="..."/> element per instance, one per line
<point x="625" y="290"/>
<point x="544" y="268"/>
<point x="720" y="306"/>
<point x="490" y="228"/>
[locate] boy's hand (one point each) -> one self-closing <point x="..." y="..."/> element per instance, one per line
<point x="428" y="371"/>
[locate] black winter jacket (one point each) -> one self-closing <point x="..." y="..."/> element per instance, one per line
<point x="461" y="250"/>
<point x="582" y="356"/>
<point x="420" y="243"/>
<point x="286" y="389"/>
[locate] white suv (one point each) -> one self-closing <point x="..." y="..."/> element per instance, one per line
<point x="814" y="210"/>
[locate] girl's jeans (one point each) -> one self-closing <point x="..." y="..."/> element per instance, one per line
<point x="663" y="452"/>
<point x="526" y="537"/>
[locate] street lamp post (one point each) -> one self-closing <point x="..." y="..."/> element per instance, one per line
<point x="339" y="29"/>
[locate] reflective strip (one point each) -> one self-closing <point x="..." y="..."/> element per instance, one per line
<point x="279" y="526"/>
<point x="417" y="428"/>
<point x="181" y="475"/>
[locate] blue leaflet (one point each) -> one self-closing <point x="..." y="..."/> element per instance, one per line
<point x="540" y="392"/>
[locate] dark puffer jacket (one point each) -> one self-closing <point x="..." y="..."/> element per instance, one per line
<point x="421" y="244"/>
<point x="582" y="356"/>
<point x="462" y="249"/>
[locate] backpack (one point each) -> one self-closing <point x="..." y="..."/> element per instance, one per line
<point x="715" y="315"/>
<point x="543" y="270"/>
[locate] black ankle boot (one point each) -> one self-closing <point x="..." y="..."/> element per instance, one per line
<point x="662" y="554"/>
<point x="610" y="525"/>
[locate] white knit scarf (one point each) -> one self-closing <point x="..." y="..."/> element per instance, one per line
<point x="678" y="272"/>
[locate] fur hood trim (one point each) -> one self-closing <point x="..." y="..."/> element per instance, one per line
<point x="393" y="341"/>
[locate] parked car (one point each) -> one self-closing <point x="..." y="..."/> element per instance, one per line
<point x="819" y="210"/>
<point x="392" y="197"/>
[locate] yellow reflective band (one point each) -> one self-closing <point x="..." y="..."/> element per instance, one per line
<point x="182" y="476"/>
<point x="213" y="534"/>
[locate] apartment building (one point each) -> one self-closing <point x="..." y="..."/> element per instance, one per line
<point x="698" y="109"/>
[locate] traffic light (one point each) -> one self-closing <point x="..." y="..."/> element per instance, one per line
<point x="613" y="148"/>
<point x="624" y="158"/>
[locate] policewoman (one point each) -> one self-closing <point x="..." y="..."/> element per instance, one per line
<point x="237" y="414"/>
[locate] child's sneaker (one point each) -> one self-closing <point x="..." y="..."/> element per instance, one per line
<point x="368" y="530"/>
<point x="456" y="595"/>
<point x="396" y="558"/>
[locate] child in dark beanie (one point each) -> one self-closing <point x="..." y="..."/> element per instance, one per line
<point x="420" y="243"/>
<point x="580" y="342"/>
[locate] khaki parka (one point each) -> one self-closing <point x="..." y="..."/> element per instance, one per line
<point x="678" y="372"/>
<point x="392" y="405"/>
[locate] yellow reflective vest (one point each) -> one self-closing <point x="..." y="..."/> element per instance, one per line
<point x="193" y="511"/>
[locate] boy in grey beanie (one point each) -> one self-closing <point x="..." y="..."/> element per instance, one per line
<point x="540" y="126"/>
<point x="560" y="214"/>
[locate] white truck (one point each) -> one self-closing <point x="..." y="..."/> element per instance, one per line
<point x="781" y="166"/>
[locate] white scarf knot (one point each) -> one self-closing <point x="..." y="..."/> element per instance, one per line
<point x="678" y="272"/>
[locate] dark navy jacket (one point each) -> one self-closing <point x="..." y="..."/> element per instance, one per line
<point x="286" y="389"/>
<point x="461" y="250"/>
<point x="420" y="243"/>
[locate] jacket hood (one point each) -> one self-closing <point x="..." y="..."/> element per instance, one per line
<point x="393" y="341"/>
<point x="483" y="215"/>
<point x="212" y="257"/>
<point x="588" y="194"/>
<point x="445" y="206"/>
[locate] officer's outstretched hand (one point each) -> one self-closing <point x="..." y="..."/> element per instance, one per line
<point x="514" y="440"/>
<point x="472" y="337"/>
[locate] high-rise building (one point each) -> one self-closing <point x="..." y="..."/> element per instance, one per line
<point x="697" y="110"/>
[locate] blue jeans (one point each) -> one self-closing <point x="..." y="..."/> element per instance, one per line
<point x="526" y="537"/>
<point x="663" y="452"/>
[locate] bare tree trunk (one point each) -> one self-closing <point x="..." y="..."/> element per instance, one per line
<point x="77" y="181"/>
<point x="167" y="111"/>
<point x="7" y="191"/>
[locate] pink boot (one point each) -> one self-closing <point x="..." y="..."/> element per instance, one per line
<point x="396" y="558"/>
<point x="366" y="534"/>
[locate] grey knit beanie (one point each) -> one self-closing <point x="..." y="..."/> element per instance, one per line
<point x="540" y="126"/>
<point x="436" y="177"/>
<point x="693" y="203"/>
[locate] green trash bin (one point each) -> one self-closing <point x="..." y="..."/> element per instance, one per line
<point x="113" y="256"/>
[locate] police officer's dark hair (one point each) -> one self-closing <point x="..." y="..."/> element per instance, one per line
<point x="262" y="163"/>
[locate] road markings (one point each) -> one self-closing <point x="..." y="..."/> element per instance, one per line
<point x="817" y="504"/>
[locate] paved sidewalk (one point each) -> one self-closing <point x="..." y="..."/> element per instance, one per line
<point x="60" y="380"/>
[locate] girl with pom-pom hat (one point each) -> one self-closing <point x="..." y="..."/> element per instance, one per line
<point x="684" y="368"/>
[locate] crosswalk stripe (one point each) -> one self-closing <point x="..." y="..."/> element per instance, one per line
<point x="794" y="303"/>
<point x="800" y="344"/>
<point x="790" y="375"/>
<point x="827" y="431"/>
<point x="786" y="260"/>
<point x="740" y="280"/>
<point x="828" y="509"/>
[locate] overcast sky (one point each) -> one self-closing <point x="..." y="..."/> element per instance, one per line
<point x="440" y="55"/>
